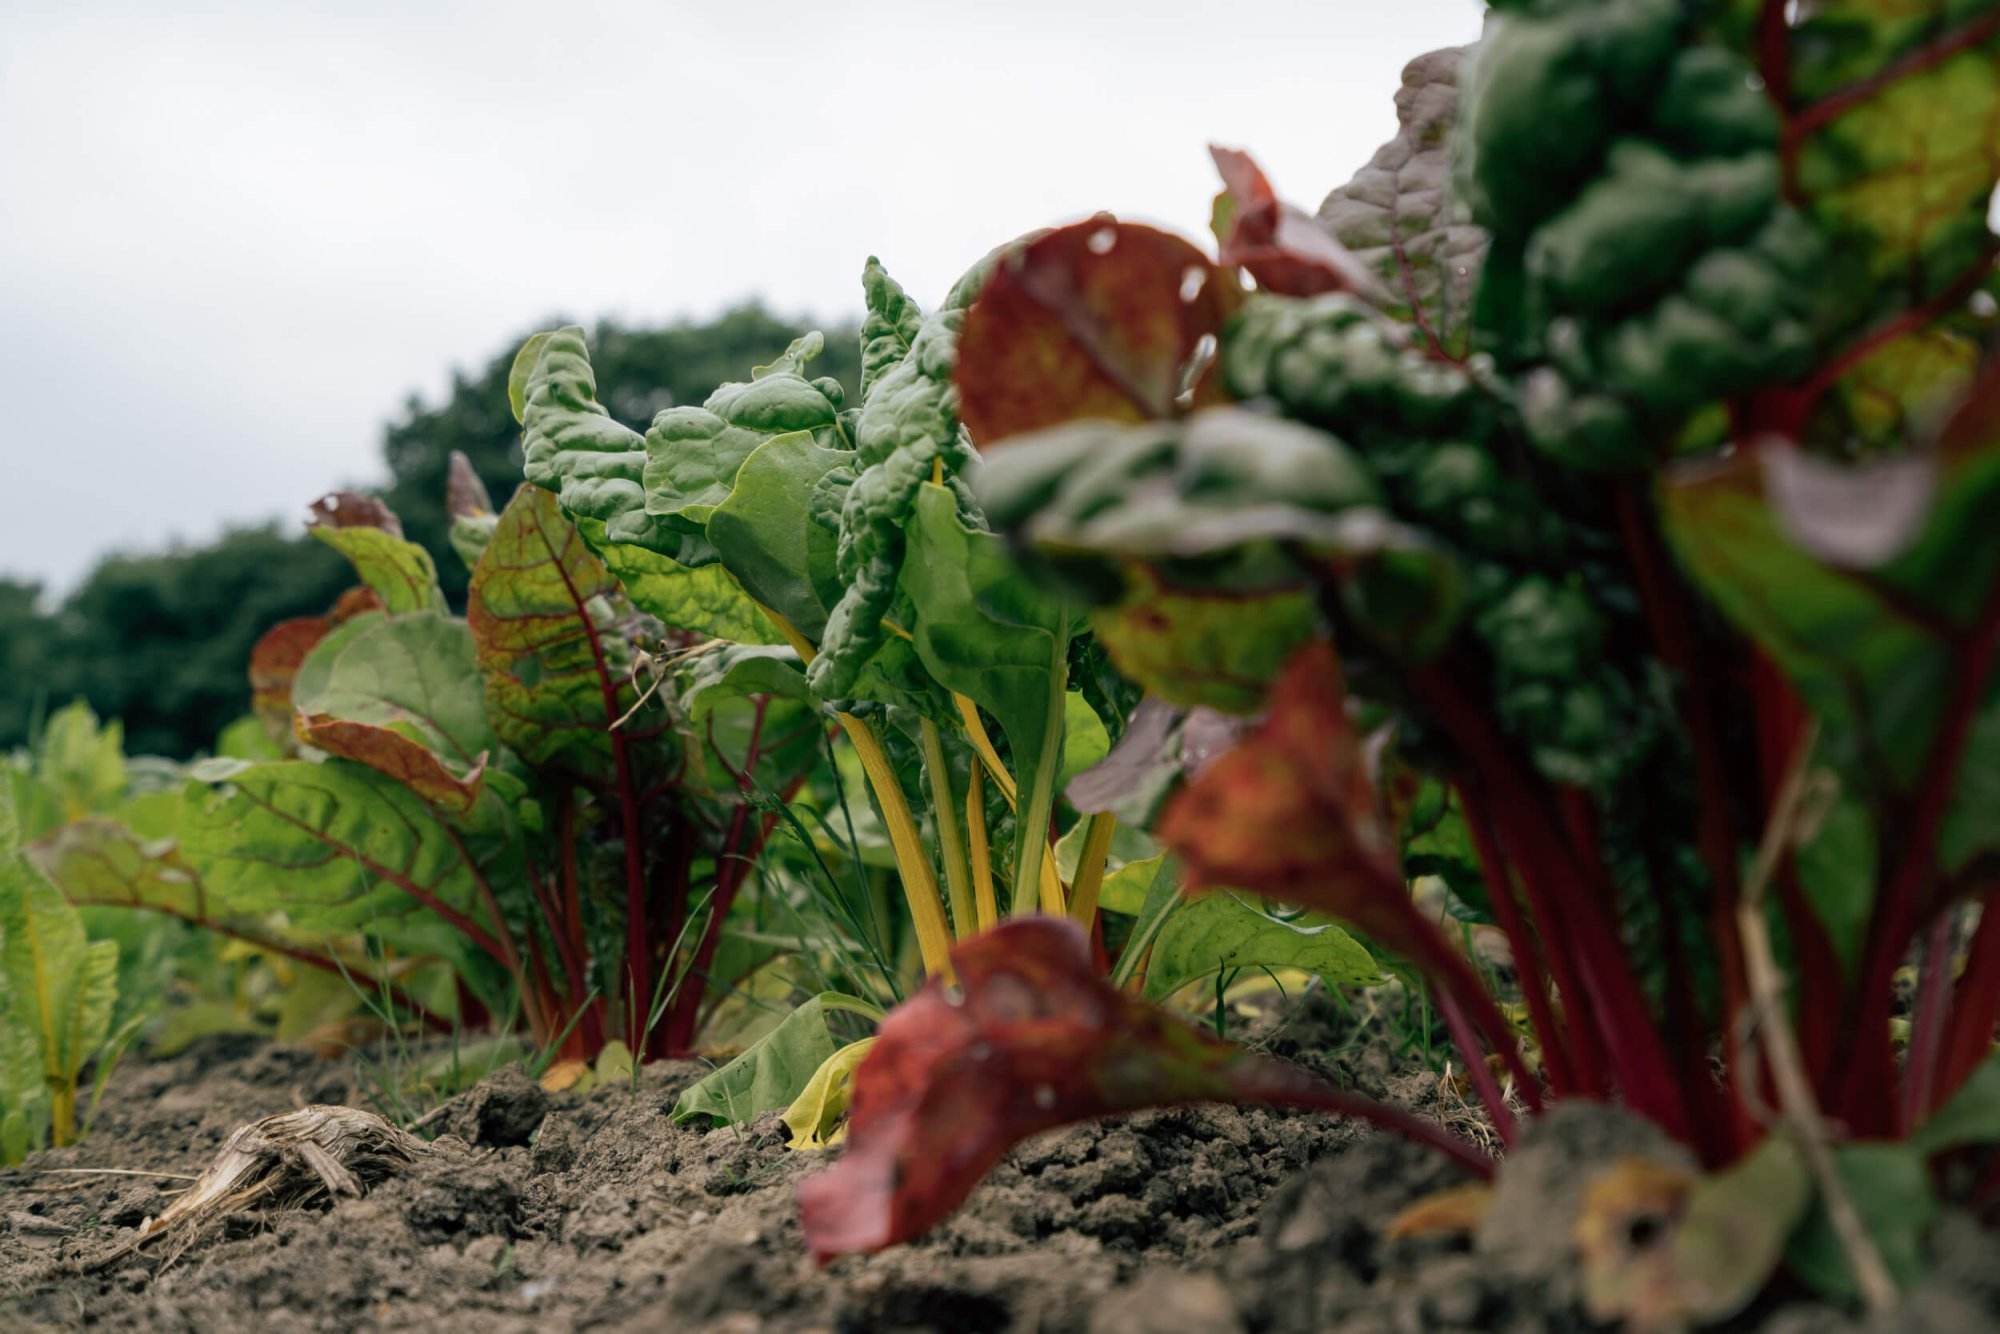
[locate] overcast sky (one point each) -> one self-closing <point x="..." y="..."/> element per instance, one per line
<point x="234" y="237"/>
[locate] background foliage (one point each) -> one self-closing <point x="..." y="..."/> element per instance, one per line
<point x="159" y="639"/>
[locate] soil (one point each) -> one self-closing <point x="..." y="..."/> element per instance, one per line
<point x="540" y="1212"/>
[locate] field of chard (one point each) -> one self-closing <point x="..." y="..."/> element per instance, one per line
<point x="1433" y="764"/>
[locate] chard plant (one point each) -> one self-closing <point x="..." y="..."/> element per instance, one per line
<point x="489" y="789"/>
<point x="1594" y="502"/>
<point x="58" y="991"/>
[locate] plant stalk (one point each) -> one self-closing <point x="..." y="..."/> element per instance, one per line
<point x="951" y="847"/>
<point x="985" y="908"/>
<point x="1090" y="868"/>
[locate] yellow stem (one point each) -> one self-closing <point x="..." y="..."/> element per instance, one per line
<point x="951" y="848"/>
<point x="1090" y="868"/>
<point x="984" y="904"/>
<point x="920" y="885"/>
<point x="913" y="868"/>
<point x="62" y="1114"/>
<point x="982" y="745"/>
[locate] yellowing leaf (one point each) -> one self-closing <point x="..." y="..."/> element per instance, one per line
<point x="818" y="1116"/>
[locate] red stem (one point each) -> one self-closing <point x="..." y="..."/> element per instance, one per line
<point x="1528" y="828"/>
<point x="1670" y="618"/>
<point x="1975" y="1011"/>
<point x="638" y="941"/>
<point x="1528" y="965"/>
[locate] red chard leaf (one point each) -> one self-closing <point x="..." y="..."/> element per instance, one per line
<point x="1030" y="1038"/>
<point x="351" y="509"/>
<point x="1100" y="319"/>
<point x="1281" y="246"/>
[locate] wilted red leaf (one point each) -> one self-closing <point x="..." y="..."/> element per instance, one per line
<point x="390" y="752"/>
<point x="1031" y="1037"/>
<point x="1100" y="319"/>
<point x="465" y="496"/>
<point x="351" y="509"/>
<point x="274" y="661"/>
<point x="1282" y="247"/>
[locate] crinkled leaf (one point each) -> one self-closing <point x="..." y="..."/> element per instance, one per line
<point x="1223" y="932"/>
<point x="1663" y="1248"/>
<point x="1238" y="502"/>
<point x="906" y="434"/>
<point x="1100" y="319"/>
<point x="570" y="445"/>
<point x="1891" y="1190"/>
<point x="692" y="454"/>
<point x="889" y="329"/>
<point x="1030" y="1037"/>
<point x="597" y="467"/>
<point x="1281" y="245"/>
<point x="363" y="529"/>
<point x="551" y="688"/>
<point x="817" y="1116"/>
<point x="1399" y="215"/>
<point x="772" y="1071"/>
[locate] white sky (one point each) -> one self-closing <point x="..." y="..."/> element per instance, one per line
<point x="233" y="237"/>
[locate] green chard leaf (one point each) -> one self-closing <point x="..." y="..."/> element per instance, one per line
<point x="552" y="683"/>
<point x="906" y="433"/>
<point x="774" y="1070"/>
<point x="1903" y="174"/>
<point x="1400" y="217"/>
<point x="1866" y="584"/>
<point x="57" y="989"/>
<point x="766" y="537"/>
<point x="597" y="468"/>
<point x="693" y="454"/>
<point x="333" y="845"/>
<point x="364" y="530"/>
<point x="982" y="630"/>
<point x="409" y="675"/>
<point x="1222" y="931"/>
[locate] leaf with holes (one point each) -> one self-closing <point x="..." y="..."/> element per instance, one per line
<point x="1100" y="319"/>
